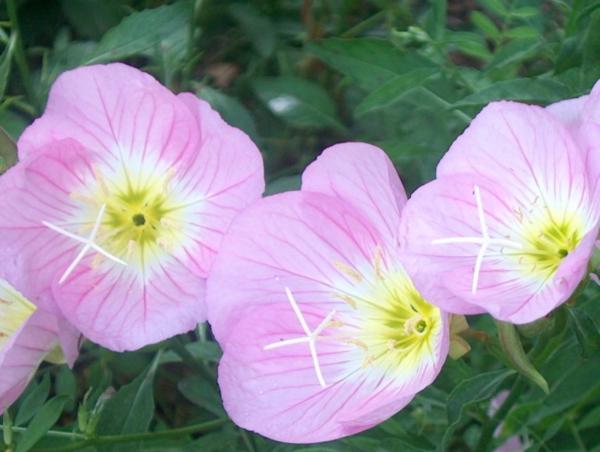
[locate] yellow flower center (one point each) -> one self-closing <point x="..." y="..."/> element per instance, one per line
<point x="398" y="327"/>
<point x="15" y="310"/>
<point x="548" y="242"/>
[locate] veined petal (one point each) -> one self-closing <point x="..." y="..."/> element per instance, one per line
<point x="121" y="200"/>
<point x="15" y="310"/>
<point x="323" y="334"/>
<point x="523" y="149"/>
<point x="363" y="176"/>
<point x="227" y="170"/>
<point x="568" y="111"/>
<point x="38" y="337"/>
<point x="154" y="295"/>
<point x="116" y="111"/>
<point x="475" y="242"/>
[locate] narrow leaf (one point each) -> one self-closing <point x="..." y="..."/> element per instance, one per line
<point x="513" y="350"/>
<point x="43" y="421"/>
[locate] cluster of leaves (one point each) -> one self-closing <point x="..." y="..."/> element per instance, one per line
<point x="297" y="76"/>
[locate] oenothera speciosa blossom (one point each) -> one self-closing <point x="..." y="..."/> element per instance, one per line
<point x="120" y="200"/>
<point x="29" y="334"/>
<point x="323" y="332"/>
<point x="509" y="225"/>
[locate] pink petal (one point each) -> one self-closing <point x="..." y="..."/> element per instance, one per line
<point x="108" y="303"/>
<point x="33" y="191"/>
<point x="522" y="148"/>
<point x="227" y="170"/>
<point x="363" y="176"/>
<point x="568" y="111"/>
<point x="116" y="111"/>
<point x="298" y="240"/>
<point x="508" y="287"/>
<point x="20" y="362"/>
<point x="120" y="311"/>
<point x="124" y="132"/>
<point x="275" y="393"/>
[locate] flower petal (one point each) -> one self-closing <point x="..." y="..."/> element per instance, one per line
<point x="363" y="176"/>
<point x="114" y="110"/>
<point x="227" y="170"/>
<point x="523" y="149"/>
<point x="18" y="366"/>
<point x="509" y="285"/>
<point x="314" y="246"/>
<point x="111" y="304"/>
<point x="568" y="111"/>
<point x="275" y="392"/>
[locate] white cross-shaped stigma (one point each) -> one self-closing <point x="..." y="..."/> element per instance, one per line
<point x="310" y="338"/>
<point x="88" y="244"/>
<point x="485" y="240"/>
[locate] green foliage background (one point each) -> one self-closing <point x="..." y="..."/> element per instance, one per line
<point x="298" y="76"/>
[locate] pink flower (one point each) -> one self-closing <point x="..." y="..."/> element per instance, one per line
<point x="120" y="201"/>
<point x="510" y="222"/>
<point x="29" y="334"/>
<point x="582" y="117"/>
<point x="323" y="333"/>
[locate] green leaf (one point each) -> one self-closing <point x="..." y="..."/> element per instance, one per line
<point x="5" y="63"/>
<point x="231" y="109"/>
<point x="131" y="409"/>
<point x="524" y="32"/>
<point x="33" y="402"/>
<point x="586" y="332"/>
<point x="8" y="151"/>
<point x="43" y="421"/>
<point x="106" y="14"/>
<point x="209" y="351"/>
<point x="485" y="24"/>
<point x="472" y="44"/>
<point x="298" y="102"/>
<point x="522" y="89"/>
<point x="394" y="90"/>
<point x="256" y="26"/>
<point x="514" y="52"/>
<point x="202" y="393"/>
<point x="369" y="61"/>
<point x="141" y="31"/>
<point x="513" y="351"/>
<point x="469" y="392"/>
<point x="495" y="6"/>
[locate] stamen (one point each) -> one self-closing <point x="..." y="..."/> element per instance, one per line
<point x="348" y="300"/>
<point x="485" y="240"/>
<point x="310" y="338"/>
<point x="100" y="178"/>
<point x="357" y="342"/>
<point x="89" y="243"/>
<point x="348" y="271"/>
<point x="377" y="262"/>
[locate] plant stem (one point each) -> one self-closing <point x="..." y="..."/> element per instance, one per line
<point x="50" y="433"/>
<point x="490" y="426"/>
<point x="133" y="437"/>
<point x="11" y="10"/>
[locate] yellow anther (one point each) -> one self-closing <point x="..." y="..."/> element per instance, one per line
<point x="100" y="178"/>
<point x="368" y="361"/>
<point x="378" y="262"/>
<point x="356" y="342"/>
<point x="336" y="324"/>
<point x="96" y="261"/>
<point x="82" y="198"/>
<point x="348" y="271"/>
<point x="166" y="183"/>
<point x="348" y="300"/>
